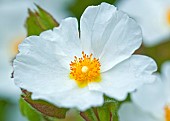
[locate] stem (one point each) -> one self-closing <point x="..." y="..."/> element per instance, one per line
<point x="83" y="115"/>
<point x="111" y="116"/>
<point x="96" y="113"/>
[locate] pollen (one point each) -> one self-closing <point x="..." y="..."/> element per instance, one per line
<point x="85" y="70"/>
<point x="167" y="113"/>
<point x="168" y="16"/>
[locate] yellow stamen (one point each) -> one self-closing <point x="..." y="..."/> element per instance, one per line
<point x="168" y="16"/>
<point x="85" y="70"/>
<point x="167" y="113"/>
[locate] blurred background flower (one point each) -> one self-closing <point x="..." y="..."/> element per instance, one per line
<point x="153" y="17"/>
<point x="9" y="93"/>
<point x="150" y="102"/>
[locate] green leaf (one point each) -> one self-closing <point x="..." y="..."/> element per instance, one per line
<point x="39" y="21"/>
<point x="80" y="5"/>
<point x="44" y="107"/>
<point x="108" y="112"/>
<point x="29" y="112"/>
<point x="72" y="115"/>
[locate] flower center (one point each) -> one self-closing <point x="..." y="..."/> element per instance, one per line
<point x="167" y="113"/>
<point x="168" y="16"/>
<point x="85" y="70"/>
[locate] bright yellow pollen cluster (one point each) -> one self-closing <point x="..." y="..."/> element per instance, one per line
<point x="85" y="70"/>
<point x="167" y="113"/>
<point x="168" y="16"/>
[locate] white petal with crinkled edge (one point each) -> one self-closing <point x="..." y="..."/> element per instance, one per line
<point x="126" y="77"/>
<point x="93" y="23"/>
<point x="109" y="34"/>
<point x="69" y="34"/>
<point x="62" y="41"/>
<point x="38" y="68"/>
<point x="80" y="98"/>
<point x="147" y="97"/>
<point x="131" y="112"/>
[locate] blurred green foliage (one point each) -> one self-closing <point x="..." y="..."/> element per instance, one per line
<point x="107" y="112"/>
<point x="79" y="6"/>
<point x="29" y="112"/>
<point x="3" y="104"/>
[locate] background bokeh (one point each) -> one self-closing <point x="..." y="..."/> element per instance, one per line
<point x="13" y="14"/>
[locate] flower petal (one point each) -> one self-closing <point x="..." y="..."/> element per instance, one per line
<point x="37" y="70"/>
<point x="43" y="61"/>
<point x="110" y="34"/>
<point x="131" y="112"/>
<point x="66" y="36"/>
<point x="126" y="77"/>
<point x="80" y="98"/>
<point x="147" y="97"/>
<point x="93" y="24"/>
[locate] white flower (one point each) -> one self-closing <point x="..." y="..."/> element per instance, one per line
<point x="150" y="102"/>
<point x="69" y="71"/>
<point x="153" y="17"/>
